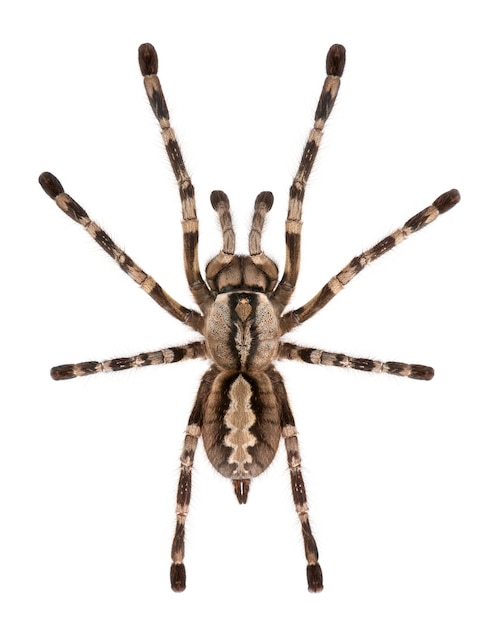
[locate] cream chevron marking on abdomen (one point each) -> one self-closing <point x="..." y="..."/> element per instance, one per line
<point x="239" y="418"/>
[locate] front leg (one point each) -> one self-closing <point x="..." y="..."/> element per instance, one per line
<point x="335" y="64"/>
<point x="148" y="63"/>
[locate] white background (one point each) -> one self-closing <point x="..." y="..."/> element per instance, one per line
<point x="400" y="473"/>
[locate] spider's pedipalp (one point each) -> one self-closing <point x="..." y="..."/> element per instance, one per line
<point x="263" y="204"/>
<point x="221" y="204"/>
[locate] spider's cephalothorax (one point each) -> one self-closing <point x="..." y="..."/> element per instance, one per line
<point x="241" y="409"/>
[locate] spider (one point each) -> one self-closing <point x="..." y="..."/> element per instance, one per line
<point x="241" y="409"/>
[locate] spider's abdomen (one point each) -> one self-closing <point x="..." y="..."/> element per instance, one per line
<point x="242" y="331"/>
<point x="241" y="425"/>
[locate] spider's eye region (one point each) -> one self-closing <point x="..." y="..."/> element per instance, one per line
<point x="243" y="309"/>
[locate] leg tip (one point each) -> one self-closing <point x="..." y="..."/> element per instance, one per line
<point x="50" y="184"/>
<point x="447" y="201"/>
<point x="422" y="372"/>
<point x="314" y="578"/>
<point x="335" y="61"/>
<point x="148" y="59"/>
<point x="177" y="577"/>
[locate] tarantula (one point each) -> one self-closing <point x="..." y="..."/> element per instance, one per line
<point x="241" y="409"/>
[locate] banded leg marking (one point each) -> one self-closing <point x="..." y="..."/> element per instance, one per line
<point x="289" y="432"/>
<point x="335" y="64"/>
<point x="148" y="62"/>
<point x="314" y="572"/>
<point x="192" y="434"/>
<point x="195" y="350"/>
<point x="53" y="188"/>
<point x="442" y="204"/>
<point x="177" y="570"/>
<point x="315" y="356"/>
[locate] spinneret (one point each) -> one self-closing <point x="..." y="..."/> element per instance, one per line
<point x="242" y="409"/>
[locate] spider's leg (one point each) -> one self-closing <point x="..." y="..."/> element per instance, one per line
<point x="148" y="62"/>
<point x="70" y="207"/>
<point x="195" y="350"/>
<point x="335" y="63"/>
<point x="442" y="204"/>
<point x="289" y="432"/>
<point x="193" y="432"/>
<point x="315" y="356"/>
